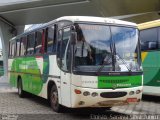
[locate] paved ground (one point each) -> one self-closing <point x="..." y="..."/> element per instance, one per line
<point x="4" y="86"/>
<point x="34" y="108"/>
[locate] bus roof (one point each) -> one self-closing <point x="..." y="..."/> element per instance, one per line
<point x="95" y="19"/>
<point x="150" y="24"/>
<point x="83" y="19"/>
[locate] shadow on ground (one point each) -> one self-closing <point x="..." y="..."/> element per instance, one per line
<point x="151" y="98"/>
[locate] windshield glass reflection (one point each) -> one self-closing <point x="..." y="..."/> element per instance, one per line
<point x="106" y="48"/>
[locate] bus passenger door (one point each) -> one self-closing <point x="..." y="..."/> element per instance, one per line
<point x="64" y="60"/>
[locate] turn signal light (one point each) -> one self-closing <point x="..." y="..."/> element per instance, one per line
<point x="77" y="91"/>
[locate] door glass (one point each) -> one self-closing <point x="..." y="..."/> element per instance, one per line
<point x="59" y="39"/>
<point x="65" y="51"/>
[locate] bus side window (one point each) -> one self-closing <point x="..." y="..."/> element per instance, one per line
<point x="12" y="49"/>
<point x="51" y="46"/>
<point x="149" y="39"/>
<point x="23" y="46"/>
<point x="30" y="44"/>
<point x="38" y="44"/>
<point x="15" y="48"/>
<point x="18" y="47"/>
<point x="159" y="35"/>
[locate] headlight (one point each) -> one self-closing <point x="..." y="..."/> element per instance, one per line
<point x="131" y="93"/>
<point x="86" y="93"/>
<point x="94" y="94"/>
<point x="138" y="91"/>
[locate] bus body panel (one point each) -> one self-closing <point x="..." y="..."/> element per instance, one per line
<point x="79" y="100"/>
<point x="107" y="82"/>
<point x="151" y="58"/>
<point x="10" y="61"/>
<point x="36" y="85"/>
<point x="151" y="69"/>
<point x="66" y="89"/>
<point x="151" y="66"/>
<point x="151" y="90"/>
<point x="34" y="71"/>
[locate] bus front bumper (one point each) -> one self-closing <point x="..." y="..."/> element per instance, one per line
<point x="89" y="97"/>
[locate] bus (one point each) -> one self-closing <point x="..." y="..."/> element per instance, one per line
<point x="78" y="62"/>
<point x="150" y="47"/>
<point x="1" y="67"/>
<point x="1" y="64"/>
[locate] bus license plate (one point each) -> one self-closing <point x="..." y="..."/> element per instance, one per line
<point x="131" y="99"/>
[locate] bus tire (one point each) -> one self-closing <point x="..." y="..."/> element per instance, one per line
<point x="53" y="98"/>
<point x="21" y="93"/>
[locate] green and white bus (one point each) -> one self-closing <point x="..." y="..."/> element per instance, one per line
<point x="150" y="46"/>
<point x="44" y="62"/>
<point x="1" y="67"/>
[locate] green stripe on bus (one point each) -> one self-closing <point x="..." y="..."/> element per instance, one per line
<point x="151" y="67"/>
<point x="119" y="81"/>
<point x="31" y="82"/>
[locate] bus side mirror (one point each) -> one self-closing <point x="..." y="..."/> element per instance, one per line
<point x="73" y="38"/>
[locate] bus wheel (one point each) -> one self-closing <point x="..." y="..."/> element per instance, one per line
<point x="21" y="93"/>
<point x="54" y="100"/>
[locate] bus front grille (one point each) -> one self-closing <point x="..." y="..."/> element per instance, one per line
<point x="113" y="94"/>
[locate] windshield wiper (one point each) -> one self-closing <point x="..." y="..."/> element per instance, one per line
<point x="104" y="63"/>
<point x="124" y="62"/>
<point x="119" y="57"/>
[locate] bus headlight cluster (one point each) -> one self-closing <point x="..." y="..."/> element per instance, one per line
<point x="86" y="93"/>
<point x="94" y="94"/>
<point x="131" y="93"/>
<point x="138" y="91"/>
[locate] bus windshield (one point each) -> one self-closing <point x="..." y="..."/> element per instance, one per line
<point x="106" y="48"/>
